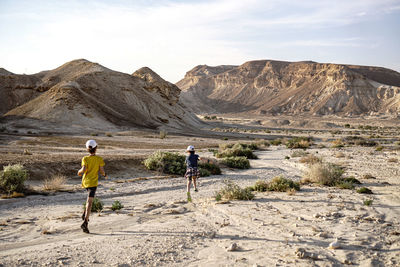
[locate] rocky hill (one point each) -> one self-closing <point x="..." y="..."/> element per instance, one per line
<point x="87" y="95"/>
<point x="277" y="87"/>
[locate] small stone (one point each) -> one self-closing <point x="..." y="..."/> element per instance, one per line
<point x="300" y="218"/>
<point x="317" y="215"/>
<point x="233" y="247"/>
<point x="334" y="245"/>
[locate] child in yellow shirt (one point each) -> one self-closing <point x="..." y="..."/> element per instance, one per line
<point x="91" y="165"/>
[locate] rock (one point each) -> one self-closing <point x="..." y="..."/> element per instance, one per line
<point x="323" y="234"/>
<point x="317" y="215"/>
<point x="301" y="253"/>
<point x="233" y="247"/>
<point x="335" y="245"/>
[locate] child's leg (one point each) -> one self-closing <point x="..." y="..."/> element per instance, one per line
<point x="195" y="183"/>
<point x="89" y="203"/>
<point x="189" y="182"/>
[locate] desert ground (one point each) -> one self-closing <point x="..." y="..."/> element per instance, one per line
<point x="157" y="227"/>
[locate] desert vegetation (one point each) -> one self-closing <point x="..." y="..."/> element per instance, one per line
<point x="166" y="162"/>
<point x="12" y="178"/>
<point x="232" y="191"/>
<point x="55" y="183"/>
<point x="277" y="184"/>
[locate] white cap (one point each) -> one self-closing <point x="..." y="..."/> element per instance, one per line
<point x="190" y="148"/>
<point x="91" y="143"/>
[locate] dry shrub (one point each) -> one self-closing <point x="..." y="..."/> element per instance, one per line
<point x="299" y="153"/>
<point x="324" y="174"/>
<point x="339" y="155"/>
<point x="368" y="176"/>
<point x="337" y="143"/>
<point x="310" y="159"/>
<point x="393" y="160"/>
<point x="55" y="183"/>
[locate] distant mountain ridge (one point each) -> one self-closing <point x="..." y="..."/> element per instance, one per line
<point x="86" y="94"/>
<point x="279" y="87"/>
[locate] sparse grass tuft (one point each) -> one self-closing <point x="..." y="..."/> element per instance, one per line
<point x="364" y="190"/>
<point x="166" y="162"/>
<point x="236" y="162"/>
<point x="310" y="159"/>
<point x="109" y="135"/>
<point x="299" y="142"/>
<point x="163" y="134"/>
<point x="367" y="202"/>
<point x="299" y="153"/>
<point x="232" y="191"/>
<point x="12" y="178"/>
<point x="116" y="205"/>
<point x="393" y="160"/>
<point x="55" y="183"/>
<point x="379" y="148"/>
<point x="276" y="142"/>
<point x="94" y="134"/>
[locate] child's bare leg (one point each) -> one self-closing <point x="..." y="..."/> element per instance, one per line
<point x="195" y="182"/>
<point x="89" y="203"/>
<point x="189" y="182"/>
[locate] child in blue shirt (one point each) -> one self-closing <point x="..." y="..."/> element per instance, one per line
<point x="192" y="171"/>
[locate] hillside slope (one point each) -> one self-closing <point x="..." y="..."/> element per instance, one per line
<point x="277" y="87"/>
<point x="85" y="94"/>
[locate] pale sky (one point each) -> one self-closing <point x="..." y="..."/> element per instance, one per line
<point x="173" y="36"/>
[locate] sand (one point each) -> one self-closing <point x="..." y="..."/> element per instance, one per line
<point x="157" y="227"/>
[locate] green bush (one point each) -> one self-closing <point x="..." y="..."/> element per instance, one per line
<point x="260" y="186"/>
<point x="282" y="184"/>
<point x="299" y="142"/>
<point x="97" y="205"/>
<point x="204" y="172"/>
<point x="116" y="205"/>
<point x="368" y="202"/>
<point x="232" y="191"/>
<point x="345" y="185"/>
<point x="364" y="190"/>
<point x="213" y="168"/>
<point x="166" y="162"/>
<point x="352" y="180"/>
<point x="237" y="150"/>
<point x="276" y="142"/>
<point x="12" y="178"/>
<point x="324" y="174"/>
<point x="236" y="162"/>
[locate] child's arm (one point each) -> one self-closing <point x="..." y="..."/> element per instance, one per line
<point x="82" y="170"/>
<point x="103" y="172"/>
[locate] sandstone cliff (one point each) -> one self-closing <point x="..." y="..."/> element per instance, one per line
<point x="277" y="87"/>
<point x="87" y="95"/>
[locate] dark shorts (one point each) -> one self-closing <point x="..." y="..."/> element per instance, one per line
<point x="91" y="191"/>
<point x="192" y="173"/>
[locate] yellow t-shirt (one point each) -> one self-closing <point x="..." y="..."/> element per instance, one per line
<point x="91" y="177"/>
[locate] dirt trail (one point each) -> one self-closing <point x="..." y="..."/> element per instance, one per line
<point x="158" y="228"/>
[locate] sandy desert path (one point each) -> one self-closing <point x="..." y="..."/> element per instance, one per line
<point x="158" y="228"/>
